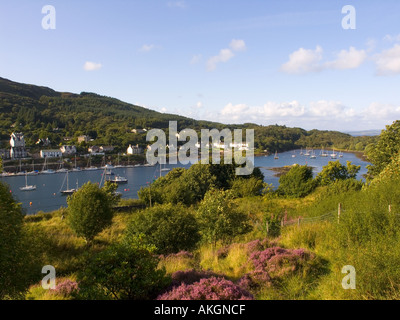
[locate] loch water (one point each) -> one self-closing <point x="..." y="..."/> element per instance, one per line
<point x="47" y="196"/>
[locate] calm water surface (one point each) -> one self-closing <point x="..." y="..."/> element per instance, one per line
<point x="47" y="195"/>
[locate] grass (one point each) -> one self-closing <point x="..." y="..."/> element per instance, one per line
<point x="367" y="238"/>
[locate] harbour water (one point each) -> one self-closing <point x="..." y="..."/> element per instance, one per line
<point x="47" y="196"/>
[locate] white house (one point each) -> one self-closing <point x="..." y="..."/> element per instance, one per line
<point x="17" y="143"/>
<point x="68" y="150"/>
<point x="134" y="149"/>
<point x="50" y="153"/>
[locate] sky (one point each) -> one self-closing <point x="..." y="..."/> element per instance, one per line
<point x="301" y="63"/>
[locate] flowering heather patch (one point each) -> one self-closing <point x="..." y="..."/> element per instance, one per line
<point x="191" y="276"/>
<point x="66" y="288"/>
<point x="272" y="263"/>
<point x="207" y="289"/>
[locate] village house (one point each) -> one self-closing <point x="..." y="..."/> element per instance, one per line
<point x="94" y="149"/>
<point x="17" y="143"/>
<point x="106" y="149"/>
<point x="68" y="150"/>
<point x="134" y="150"/>
<point x="83" y="139"/>
<point x="50" y="153"/>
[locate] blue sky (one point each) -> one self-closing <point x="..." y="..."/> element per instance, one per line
<point x="287" y="62"/>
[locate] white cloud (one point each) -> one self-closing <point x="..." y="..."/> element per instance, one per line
<point x="237" y="45"/>
<point x="323" y="114"/>
<point x="388" y="61"/>
<point x="223" y="56"/>
<point x="371" y="44"/>
<point x="330" y="109"/>
<point x="392" y="38"/>
<point x="382" y="111"/>
<point x="147" y="47"/>
<point x="196" y="59"/>
<point x="199" y="105"/>
<point x="177" y="4"/>
<point x="303" y="61"/>
<point x="350" y="59"/>
<point x="92" y="66"/>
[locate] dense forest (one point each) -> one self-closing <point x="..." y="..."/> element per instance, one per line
<point x="61" y="117"/>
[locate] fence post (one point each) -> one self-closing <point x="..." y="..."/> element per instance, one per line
<point x="298" y="222"/>
<point x="267" y="227"/>
<point x="339" y="211"/>
<point x="390" y="208"/>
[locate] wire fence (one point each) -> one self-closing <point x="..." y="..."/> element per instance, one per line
<point x="299" y="221"/>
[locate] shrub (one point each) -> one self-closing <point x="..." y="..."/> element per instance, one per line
<point x="298" y="182"/>
<point x="247" y="187"/>
<point x="19" y="259"/>
<point x="122" y="272"/>
<point x="89" y="211"/>
<point x="335" y="171"/>
<point x="207" y="289"/>
<point x="218" y="218"/>
<point x="170" y="228"/>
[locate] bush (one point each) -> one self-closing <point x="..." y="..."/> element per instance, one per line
<point x="335" y="171"/>
<point x="170" y="228"/>
<point x="20" y="263"/>
<point x="218" y="218"/>
<point x="89" y="211"/>
<point x="207" y="289"/>
<point x="298" y="182"/>
<point x="247" y="187"/>
<point x="122" y="272"/>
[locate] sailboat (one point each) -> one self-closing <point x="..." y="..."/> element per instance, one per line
<point x="276" y="155"/>
<point x="313" y="156"/>
<point x="307" y="153"/>
<point x="323" y="153"/>
<point x="76" y="169"/>
<point x="89" y="166"/>
<point x="294" y="154"/>
<point x="68" y="190"/>
<point x="61" y="169"/>
<point x="340" y="154"/>
<point x="45" y="170"/>
<point x="27" y="187"/>
<point x="333" y="154"/>
<point x="301" y="151"/>
<point x="20" y="173"/>
<point x="33" y="172"/>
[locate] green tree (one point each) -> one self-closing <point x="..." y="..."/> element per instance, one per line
<point x="251" y="187"/>
<point x="111" y="189"/>
<point x="384" y="150"/>
<point x="298" y="182"/>
<point x="89" y="211"/>
<point x="124" y="271"/>
<point x="334" y="171"/>
<point x="219" y="219"/>
<point x="170" y="228"/>
<point x="19" y="265"/>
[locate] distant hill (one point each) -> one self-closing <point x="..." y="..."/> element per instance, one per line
<point x="41" y="112"/>
<point x="368" y="133"/>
